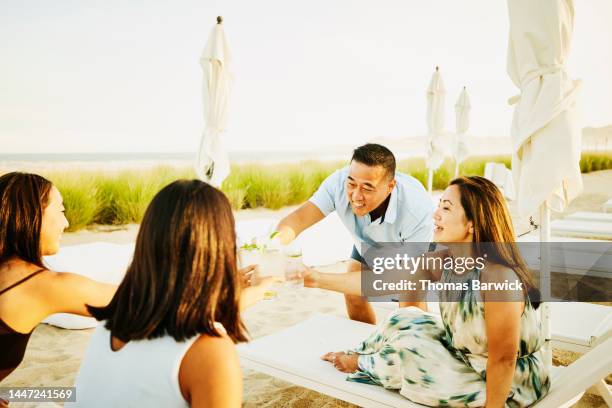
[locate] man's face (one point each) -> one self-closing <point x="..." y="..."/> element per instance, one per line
<point x="367" y="187"/>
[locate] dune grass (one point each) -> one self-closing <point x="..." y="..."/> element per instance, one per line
<point x="473" y="166"/>
<point x="595" y="161"/>
<point x="80" y="197"/>
<point x="275" y="186"/>
<point x="114" y="198"/>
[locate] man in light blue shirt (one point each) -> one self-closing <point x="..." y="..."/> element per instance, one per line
<point x="375" y="203"/>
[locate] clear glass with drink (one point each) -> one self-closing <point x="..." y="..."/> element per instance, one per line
<point x="294" y="267"/>
<point x="272" y="263"/>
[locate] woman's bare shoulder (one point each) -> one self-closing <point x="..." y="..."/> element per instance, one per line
<point x="219" y="356"/>
<point x="14" y="271"/>
<point x="209" y="347"/>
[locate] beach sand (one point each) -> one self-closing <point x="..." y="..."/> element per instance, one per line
<point x="53" y="355"/>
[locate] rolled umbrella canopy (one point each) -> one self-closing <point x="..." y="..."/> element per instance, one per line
<point x="435" y="124"/>
<point x="462" y="123"/>
<point x="212" y="162"/>
<point x="545" y="128"/>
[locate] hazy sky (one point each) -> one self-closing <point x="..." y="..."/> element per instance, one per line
<point x="122" y="76"/>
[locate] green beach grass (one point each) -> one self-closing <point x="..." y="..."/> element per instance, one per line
<point x="115" y="198"/>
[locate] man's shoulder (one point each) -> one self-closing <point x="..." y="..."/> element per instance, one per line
<point x="337" y="179"/>
<point x="409" y="182"/>
<point x="411" y="190"/>
<point x="414" y="201"/>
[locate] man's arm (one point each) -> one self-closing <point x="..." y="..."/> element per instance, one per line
<point x="292" y="225"/>
<point x="321" y="204"/>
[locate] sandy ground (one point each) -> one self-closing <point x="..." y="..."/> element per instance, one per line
<point x="54" y="355"/>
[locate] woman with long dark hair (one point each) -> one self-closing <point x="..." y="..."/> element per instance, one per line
<point x="486" y="348"/>
<point x="168" y="334"/>
<point x="31" y="224"/>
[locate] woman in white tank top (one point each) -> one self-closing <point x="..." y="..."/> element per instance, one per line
<point x="169" y="332"/>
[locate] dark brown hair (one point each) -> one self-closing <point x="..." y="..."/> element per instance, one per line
<point x="183" y="277"/>
<point x="372" y="154"/>
<point x="23" y="198"/>
<point x="485" y="207"/>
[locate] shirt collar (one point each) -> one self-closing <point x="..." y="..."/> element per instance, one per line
<point x="391" y="212"/>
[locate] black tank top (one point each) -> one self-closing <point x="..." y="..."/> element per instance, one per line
<point x="12" y="343"/>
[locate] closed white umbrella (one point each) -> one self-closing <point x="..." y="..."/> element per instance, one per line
<point x="212" y="162"/>
<point x="435" y="124"/>
<point x="545" y="128"/>
<point x="462" y="123"/>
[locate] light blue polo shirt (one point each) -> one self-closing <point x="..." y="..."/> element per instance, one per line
<point x="408" y="217"/>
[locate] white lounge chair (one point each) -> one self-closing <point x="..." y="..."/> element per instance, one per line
<point x="294" y="354"/>
<point x="590" y="216"/>
<point x="607" y="207"/>
<point x="582" y="228"/>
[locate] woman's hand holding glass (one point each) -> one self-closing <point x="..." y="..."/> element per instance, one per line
<point x="257" y="287"/>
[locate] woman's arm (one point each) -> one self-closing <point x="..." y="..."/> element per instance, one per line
<point x="253" y="291"/>
<point x="503" y="329"/>
<point x="69" y="293"/>
<point x="253" y="294"/>
<point x="503" y="333"/>
<point x="348" y="283"/>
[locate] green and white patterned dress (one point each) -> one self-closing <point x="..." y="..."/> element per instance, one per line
<point x="440" y="361"/>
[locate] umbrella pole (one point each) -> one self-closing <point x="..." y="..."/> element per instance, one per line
<point x="430" y="181"/>
<point x="545" y="278"/>
<point x="456" y="169"/>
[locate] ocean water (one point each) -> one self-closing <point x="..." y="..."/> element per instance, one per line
<point x="402" y="148"/>
<point x="118" y="161"/>
<point x="240" y="157"/>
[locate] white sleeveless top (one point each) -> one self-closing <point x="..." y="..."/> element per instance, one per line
<point x="143" y="373"/>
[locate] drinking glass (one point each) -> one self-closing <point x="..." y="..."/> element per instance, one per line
<point x="294" y="265"/>
<point x="272" y="263"/>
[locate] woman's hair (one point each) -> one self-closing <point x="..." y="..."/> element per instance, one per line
<point x="23" y="198"/>
<point x="183" y="277"/>
<point x="485" y="207"/>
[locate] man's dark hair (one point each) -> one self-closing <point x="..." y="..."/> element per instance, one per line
<point x="372" y="154"/>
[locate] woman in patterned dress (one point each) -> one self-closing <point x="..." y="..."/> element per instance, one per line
<point x="486" y="347"/>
